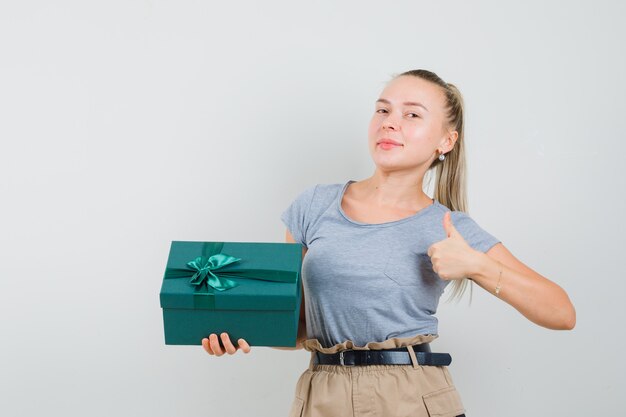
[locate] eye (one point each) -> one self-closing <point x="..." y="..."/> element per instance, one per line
<point x="413" y="115"/>
<point x="381" y="111"/>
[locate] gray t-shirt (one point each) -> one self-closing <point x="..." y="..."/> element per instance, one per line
<point x="370" y="282"/>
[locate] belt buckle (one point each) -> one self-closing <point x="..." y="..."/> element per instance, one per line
<point x="341" y="360"/>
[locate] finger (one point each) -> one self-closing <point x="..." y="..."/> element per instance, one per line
<point x="244" y="346"/>
<point x="205" y="345"/>
<point x="448" y="226"/>
<point x="228" y="345"/>
<point x="215" y="345"/>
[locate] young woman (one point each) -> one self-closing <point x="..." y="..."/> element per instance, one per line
<point x="379" y="254"/>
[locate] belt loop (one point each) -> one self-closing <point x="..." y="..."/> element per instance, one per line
<point x="413" y="358"/>
<point x="313" y="353"/>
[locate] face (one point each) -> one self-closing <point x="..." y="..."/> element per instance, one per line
<point x="410" y="112"/>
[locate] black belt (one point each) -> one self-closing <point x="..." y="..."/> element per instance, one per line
<point x="396" y="356"/>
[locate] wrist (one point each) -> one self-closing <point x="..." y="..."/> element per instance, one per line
<point x="479" y="264"/>
<point x="483" y="268"/>
<point x="488" y="273"/>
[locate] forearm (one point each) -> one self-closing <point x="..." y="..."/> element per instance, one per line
<point x="540" y="300"/>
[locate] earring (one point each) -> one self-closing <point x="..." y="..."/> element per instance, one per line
<point x="442" y="157"/>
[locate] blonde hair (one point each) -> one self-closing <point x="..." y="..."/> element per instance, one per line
<point x="451" y="173"/>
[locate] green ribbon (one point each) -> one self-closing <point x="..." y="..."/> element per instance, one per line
<point x="203" y="275"/>
<point x="204" y="271"/>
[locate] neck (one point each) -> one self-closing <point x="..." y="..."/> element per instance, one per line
<point x="395" y="190"/>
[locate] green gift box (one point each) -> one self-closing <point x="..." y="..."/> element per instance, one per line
<point x="249" y="290"/>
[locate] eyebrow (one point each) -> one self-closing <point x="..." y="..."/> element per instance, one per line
<point x="406" y="103"/>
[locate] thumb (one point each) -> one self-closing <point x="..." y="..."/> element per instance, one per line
<point x="449" y="227"/>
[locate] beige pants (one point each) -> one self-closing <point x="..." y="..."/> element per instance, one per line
<point x="375" y="390"/>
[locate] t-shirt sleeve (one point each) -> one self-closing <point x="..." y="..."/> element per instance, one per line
<point x="474" y="235"/>
<point x="297" y="216"/>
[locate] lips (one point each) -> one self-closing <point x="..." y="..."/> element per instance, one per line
<point x="389" y="141"/>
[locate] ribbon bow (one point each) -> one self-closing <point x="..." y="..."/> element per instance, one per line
<point x="204" y="266"/>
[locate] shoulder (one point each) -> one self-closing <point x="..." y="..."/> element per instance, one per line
<point x="315" y="199"/>
<point x="308" y="207"/>
<point x="475" y="235"/>
<point x="455" y="215"/>
<point x="319" y="192"/>
<point x="328" y="190"/>
<point x="460" y="219"/>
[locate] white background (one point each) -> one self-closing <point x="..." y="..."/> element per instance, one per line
<point x="127" y="124"/>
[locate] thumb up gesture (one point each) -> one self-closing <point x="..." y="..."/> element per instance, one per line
<point x="452" y="258"/>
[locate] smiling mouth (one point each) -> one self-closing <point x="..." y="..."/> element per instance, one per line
<point x="387" y="141"/>
<point x="389" y="145"/>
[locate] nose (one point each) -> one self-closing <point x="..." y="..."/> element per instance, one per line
<point x="390" y="123"/>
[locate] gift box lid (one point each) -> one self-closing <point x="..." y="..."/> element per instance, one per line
<point x="278" y="265"/>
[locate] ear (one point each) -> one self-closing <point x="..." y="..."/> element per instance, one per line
<point x="449" y="140"/>
<point x="454" y="135"/>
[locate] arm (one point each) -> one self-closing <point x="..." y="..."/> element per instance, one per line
<point x="537" y="298"/>
<point x="301" y="337"/>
